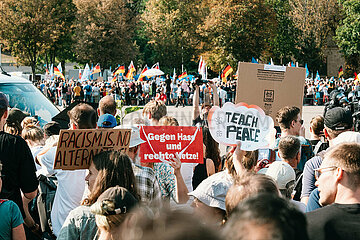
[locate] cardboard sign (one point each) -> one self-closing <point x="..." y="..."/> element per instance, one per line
<point x="241" y="123"/>
<point x="164" y="142"/>
<point x="77" y="148"/>
<point x="270" y="87"/>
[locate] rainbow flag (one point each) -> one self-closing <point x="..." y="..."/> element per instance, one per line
<point x="96" y="69"/>
<point x="58" y="73"/>
<point x="183" y="75"/>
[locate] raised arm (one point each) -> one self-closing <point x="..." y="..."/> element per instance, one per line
<point x="215" y="93"/>
<point x="196" y="111"/>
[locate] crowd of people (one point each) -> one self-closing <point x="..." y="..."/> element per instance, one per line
<point x="300" y="189"/>
<point x="172" y="92"/>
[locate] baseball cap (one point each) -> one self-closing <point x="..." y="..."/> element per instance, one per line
<point x="338" y="119"/>
<point x="107" y="121"/>
<point x="212" y="191"/>
<point x="135" y="135"/>
<point x="281" y="172"/>
<point x="4" y="103"/>
<point x="16" y="115"/>
<point x="123" y="201"/>
<point x="52" y="128"/>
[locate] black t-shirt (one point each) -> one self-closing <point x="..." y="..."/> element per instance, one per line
<point x="18" y="168"/>
<point x="334" y="222"/>
<point x="202" y="122"/>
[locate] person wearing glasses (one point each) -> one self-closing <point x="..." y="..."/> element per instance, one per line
<point x="338" y="181"/>
<point x="290" y="123"/>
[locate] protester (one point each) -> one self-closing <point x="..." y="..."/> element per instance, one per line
<point x="106" y="121"/>
<point x="317" y="132"/>
<point x="108" y="169"/>
<point x="153" y="111"/>
<point x="107" y="104"/>
<point x="34" y="137"/>
<point x="111" y="209"/>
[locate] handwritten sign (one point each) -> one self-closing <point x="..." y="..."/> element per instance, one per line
<point x="77" y="148"/>
<point x="164" y="142"/>
<point x="247" y="124"/>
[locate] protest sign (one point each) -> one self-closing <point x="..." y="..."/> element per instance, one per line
<point x="164" y="142"/>
<point x="247" y="124"/>
<point x="270" y="87"/>
<point x="77" y="148"/>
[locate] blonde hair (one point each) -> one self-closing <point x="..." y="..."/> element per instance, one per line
<point x="109" y="222"/>
<point x="156" y="108"/>
<point x="28" y="121"/>
<point x="168" y="121"/>
<point x="33" y="133"/>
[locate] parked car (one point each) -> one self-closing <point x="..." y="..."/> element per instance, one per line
<point x="24" y="95"/>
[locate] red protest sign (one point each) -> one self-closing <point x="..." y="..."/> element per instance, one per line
<point x="164" y="142"/>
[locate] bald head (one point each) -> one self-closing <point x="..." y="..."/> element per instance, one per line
<point x="107" y="105"/>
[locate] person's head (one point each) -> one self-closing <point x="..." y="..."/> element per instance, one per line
<point x="82" y="116"/>
<point x="33" y="135"/>
<point x="249" y="161"/>
<point x="284" y="176"/>
<point x="317" y="126"/>
<point x="336" y="121"/>
<point x="247" y="185"/>
<point x="289" y="119"/>
<point x="107" y="104"/>
<point x="29" y="121"/>
<point x="266" y="216"/>
<point x="106" y="121"/>
<point x="112" y="207"/>
<point x="211" y="148"/>
<point x="290" y="150"/>
<point x="339" y="173"/>
<point x="154" y="110"/>
<point x="109" y="169"/>
<point x="51" y="128"/>
<point x="168" y="121"/>
<point x="177" y="224"/>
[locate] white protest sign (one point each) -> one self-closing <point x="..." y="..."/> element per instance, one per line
<point x="247" y="124"/>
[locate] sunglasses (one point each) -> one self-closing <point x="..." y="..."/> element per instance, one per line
<point x="319" y="171"/>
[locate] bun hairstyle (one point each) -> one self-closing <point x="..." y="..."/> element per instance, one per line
<point x="103" y="220"/>
<point x="33" y="133"/>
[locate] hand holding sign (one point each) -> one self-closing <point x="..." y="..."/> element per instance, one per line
<point x="247" y="124"/>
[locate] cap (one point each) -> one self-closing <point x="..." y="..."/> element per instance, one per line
<point x="107" y="121"/>
<point x="16" y="115"/>
<point x="135" y="135"/>
<point x="4" y="103"/>
<point x="281" y="172"/>
<point x="338" y="119"/>
<point x="212" y="191"/>
<point x="52" y="128"/>
<point x="122" y="199"/>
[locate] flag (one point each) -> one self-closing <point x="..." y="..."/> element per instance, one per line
<point x="202" y="68"/>
<point x="253" y="60"/>
<point x="341" y="72"/>
<point x="156" y="66"/>
<point x="174" y="75"/>
<point x="307" y="70"/>
<point x="58" y="73"/>
<point x="293" y="64"/>
<point x="141" y="74"/>
<point x="131" y="70"/>
<point x="183" y="75"/>
<point x="59" y="67"/>
<point x="85" y="73"/>
<point x="227" y="70"/>
<point x="52" y="71"/>
<point x="356" y="77"/>
<point x="79" y="74"/>
<point x="317" y="78"/>
<point x="118" y="70"/>
<point x="96" y="69"/>
<point x="271" y="61"/>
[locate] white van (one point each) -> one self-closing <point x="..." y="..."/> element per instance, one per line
<point x="24" y="95"/>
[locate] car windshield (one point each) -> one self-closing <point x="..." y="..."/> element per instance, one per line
<point x="28" y="98"/>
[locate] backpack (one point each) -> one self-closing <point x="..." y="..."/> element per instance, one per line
<point x="45" y="200"/>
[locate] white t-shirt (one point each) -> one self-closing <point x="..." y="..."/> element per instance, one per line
<point x="69" y="193"/>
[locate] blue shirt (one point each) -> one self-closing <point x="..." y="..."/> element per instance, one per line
<point x="10" y="218"/>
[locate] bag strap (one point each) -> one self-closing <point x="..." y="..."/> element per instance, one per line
<point x="317" y="147"/>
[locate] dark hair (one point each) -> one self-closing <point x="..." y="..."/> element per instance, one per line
<point x="289" y="147"/>
<point x="114" y="168"/>
<point x="83" y="115"/>
<point x="282" y="218"/>
<point x="286" y="115"/>
<point x="317" y="125"/>
<point x="212" y="149"/>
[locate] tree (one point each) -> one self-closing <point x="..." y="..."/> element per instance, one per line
<point x="171" y="28"/>
<point x="25" y="28"/>
<point x="237" y="31"/>
<point x="348" y="34"/>
<point x="105" y="31"/>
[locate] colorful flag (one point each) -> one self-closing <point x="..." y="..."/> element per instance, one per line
<point x="317" y="78"/>
<point x="96" y="69"/>
<point x="156" y="66"/>
<point x="253" y="60"/>
<point x="59" y="67"/>
<point x="58" y="73"/>
<point x="141" y="74"/>
<point x="86" y="73"/>
<point x="307" y="70"/>
<point x="293" y="64"/>
<point x="341" y="72"/>
<point x="79" y="74"/>
<point x="202" y="68"/>
<point x="52" y="71"/>
<point x="183" y="75"/>
<point x="356" y="77"/>
<point x="227" y="70"/>
<point x="131" y="70"/>
<point x="174" y="75"/>
<point x="118" y="70"/>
